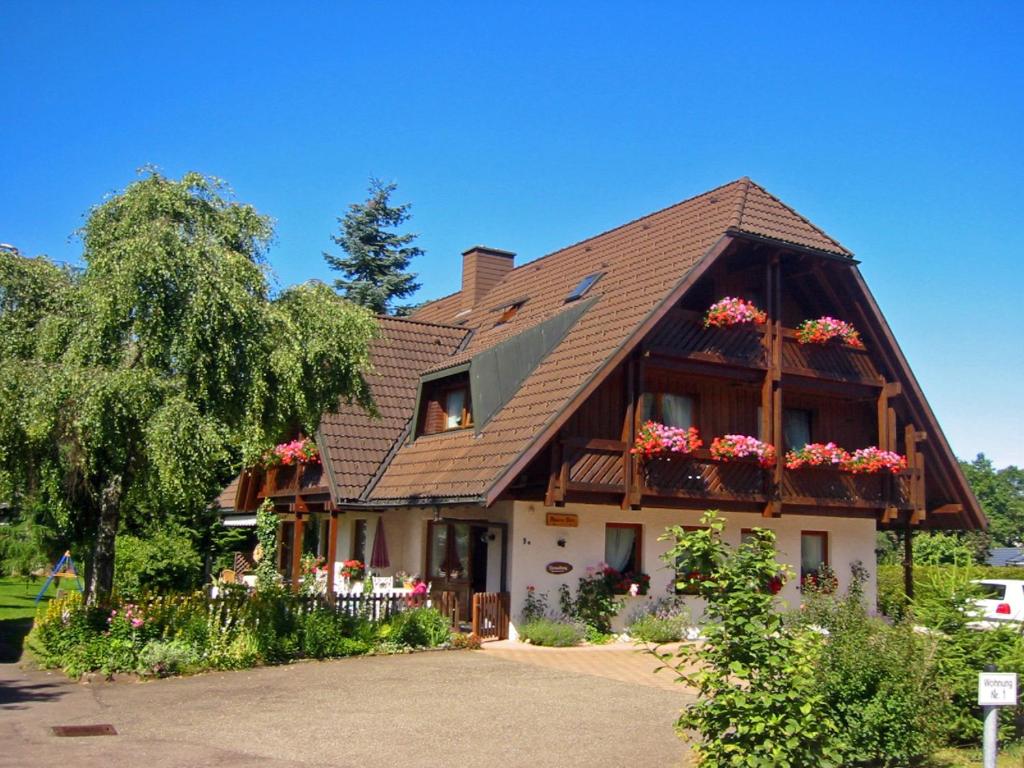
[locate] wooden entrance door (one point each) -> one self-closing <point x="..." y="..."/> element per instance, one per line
<point x="457" y="560"/>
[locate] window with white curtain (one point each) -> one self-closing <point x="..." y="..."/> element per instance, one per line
<point x="669" y="409"/>
<point x="622" y="546"/>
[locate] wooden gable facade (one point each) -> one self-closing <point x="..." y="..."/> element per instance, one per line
<point x="754" y="380"/>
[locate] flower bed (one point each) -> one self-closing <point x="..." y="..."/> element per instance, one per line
<point x="183" y="633"/>
<point x="656" y="440"/>
<point x="731" y="447"/>
<point x="732" y="311"/>
<point x="817" y="455"/>
<point x="824" y="329"/>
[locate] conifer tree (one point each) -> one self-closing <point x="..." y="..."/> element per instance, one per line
<point x="377" y="257"/>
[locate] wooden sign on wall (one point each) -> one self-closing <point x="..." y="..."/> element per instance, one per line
<point x="558" y="568"/>
<point x="562" y="520"/>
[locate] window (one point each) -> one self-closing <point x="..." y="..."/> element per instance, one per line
<point x="359" y="541"/>
<point x="668" y="409"/>
<point x="508" y="311"/>
<point x="583" y="286"/>
<point x="813" y="553"/>
<point x="456" y="413"/>
<point x="445" y="404"/>
<point x="448" y="551"/>
<point x="622" y="546"/>
<point x="796" y="428"/>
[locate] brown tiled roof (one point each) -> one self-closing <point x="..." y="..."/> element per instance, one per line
<point x="641" y="263"/>
<point x="357" y="444"/>
<point x="441" y="310"/>
<point x="226" y="499"/>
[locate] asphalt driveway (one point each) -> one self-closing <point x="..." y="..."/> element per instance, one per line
<point x="429" y="709"/>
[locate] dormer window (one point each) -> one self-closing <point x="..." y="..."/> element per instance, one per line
<point x="445" y="405"/>
<point x="583" y="286"/>
<point x="508" y="311"/>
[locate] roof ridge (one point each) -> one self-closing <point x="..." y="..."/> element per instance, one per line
<point x="802" y="218"/>
<point x="741" y="202"/>
<point x="629" y="223"/>
<point x="422" y="322"/>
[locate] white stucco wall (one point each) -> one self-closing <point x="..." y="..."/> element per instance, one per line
<point x="534" y="544"/>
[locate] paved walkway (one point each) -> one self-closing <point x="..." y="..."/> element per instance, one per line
<point x="614" y="661"/>
<point x="505" y="705"/>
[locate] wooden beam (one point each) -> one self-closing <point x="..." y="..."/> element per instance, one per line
<point x="948" y="509"/>
<point x="908" y="561"/>
<point x="332" y="553"/>
<point x="629" y="432"/>
<point x="297" y="551"/>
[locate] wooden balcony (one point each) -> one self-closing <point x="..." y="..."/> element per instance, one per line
<point x="685" y="338"/>
<point x="289" y="480"/>
<point x="829" y="487"/>
<point x="701" y="477"/>
<point x="585" y="469"/>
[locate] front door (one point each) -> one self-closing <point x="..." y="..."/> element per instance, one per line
<point x="457" y="561"/>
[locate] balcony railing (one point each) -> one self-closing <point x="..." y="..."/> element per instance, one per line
<point x="744" y="346"/>
<point x="700" y="476"/>
<point x="591" y="466"/>
<point x="291" y="478"/>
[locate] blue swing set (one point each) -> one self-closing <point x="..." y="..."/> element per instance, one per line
<point x="64" y="569"/>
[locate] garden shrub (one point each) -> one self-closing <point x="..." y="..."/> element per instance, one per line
<point x="164" y="561"/>
<point x="163" y="658"/>
<point x="326" y="634"/>
<point x="464" y="641"/>
<point x="759" y="702"/>
<point x="420" y="628"/>
<point x="557" y="633"/>
<point x="666" y="620"/>
<point x="881" y="682"/>
<point x="594" y="603"/>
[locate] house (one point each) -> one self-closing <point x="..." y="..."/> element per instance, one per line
<point x="1003" y="556"/>
<point x="502" y="456"/>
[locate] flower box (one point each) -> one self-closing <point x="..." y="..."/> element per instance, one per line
<point x="657" y="440"/>
<point x="824" y="329"/>
<point x="732" y="311"/>
<point x="732" y="447"/>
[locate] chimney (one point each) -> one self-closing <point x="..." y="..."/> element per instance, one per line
<point x="482" y="269"/>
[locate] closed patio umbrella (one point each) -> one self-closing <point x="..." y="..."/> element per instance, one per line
<point x="379" y="557"/>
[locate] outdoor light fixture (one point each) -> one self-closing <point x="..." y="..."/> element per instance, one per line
<point x="561" y="542"/>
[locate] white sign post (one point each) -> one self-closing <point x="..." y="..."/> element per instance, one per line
<point x="995" y="689"/>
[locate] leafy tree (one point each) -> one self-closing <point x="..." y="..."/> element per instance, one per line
<point x="1001" y="494"/>
<point x="136" y="384"/>
<point x="375" y="268"/>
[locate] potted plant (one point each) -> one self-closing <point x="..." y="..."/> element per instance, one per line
<point x="873" y="459"/>
<point x="353" y="570"/>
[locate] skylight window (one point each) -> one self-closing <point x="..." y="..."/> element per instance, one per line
<point x="584" y="285"/>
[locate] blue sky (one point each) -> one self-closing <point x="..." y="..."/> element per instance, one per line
<point x="528" y="126"/>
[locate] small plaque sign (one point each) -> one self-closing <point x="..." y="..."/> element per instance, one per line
<point x="558" y="568"/>
<point x="562" y="519"/>
<point x="997" y="689"/>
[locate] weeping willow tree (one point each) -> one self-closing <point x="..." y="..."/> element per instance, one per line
<point x="141" y="379"/>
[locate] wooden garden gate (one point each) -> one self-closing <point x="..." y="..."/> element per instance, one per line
<point x="490" y="615"/>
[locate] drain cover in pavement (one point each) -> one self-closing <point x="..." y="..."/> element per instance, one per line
<point x="105" y="729"/>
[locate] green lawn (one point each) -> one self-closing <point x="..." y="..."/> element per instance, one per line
<point x="17" y="596"/>
<point x="17" y="609"/>
<point x="1011" y="757"/>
